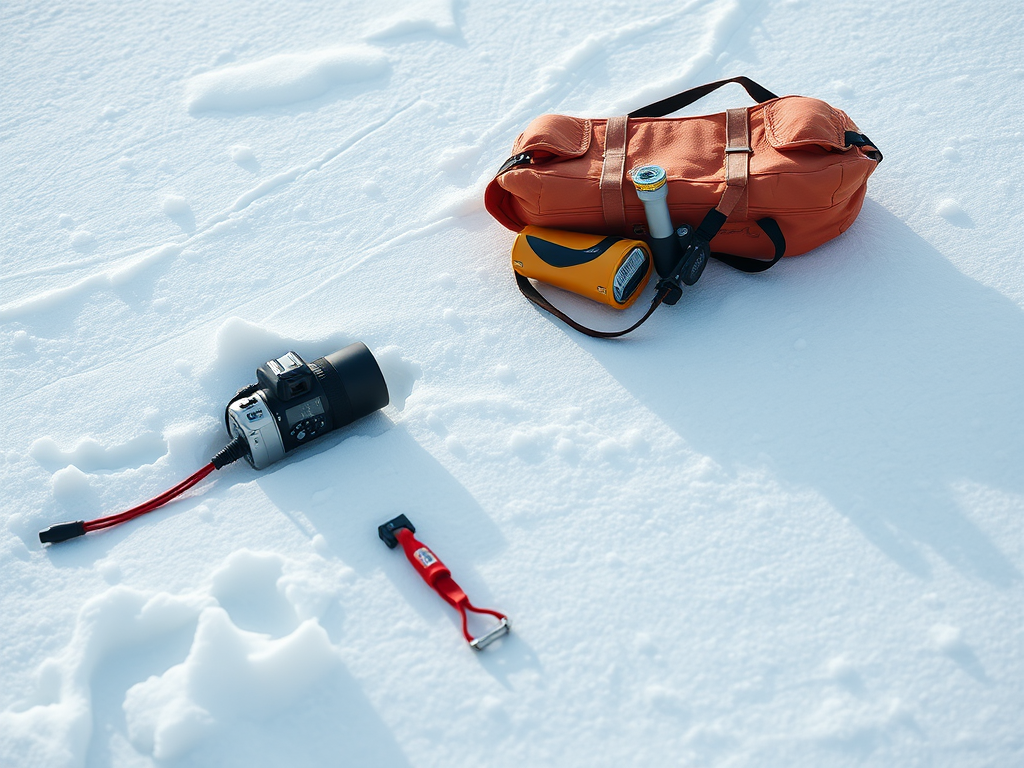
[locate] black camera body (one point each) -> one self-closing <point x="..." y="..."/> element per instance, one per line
<point x="295" y="402"/>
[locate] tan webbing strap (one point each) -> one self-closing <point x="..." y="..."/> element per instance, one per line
<point x="612" y="173"/>
<point x="737" y="165"/>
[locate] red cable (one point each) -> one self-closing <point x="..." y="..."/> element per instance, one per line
<point x="121" y="517"/>
<point x="59" y="532"/>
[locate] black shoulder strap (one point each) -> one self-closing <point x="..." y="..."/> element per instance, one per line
<point x="672" y="104"/>
<point x="854" y="139"/>
<point x="771" y="228"/>
<point x="530" y="292"/>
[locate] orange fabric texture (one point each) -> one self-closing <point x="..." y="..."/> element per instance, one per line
<point x="800" y="173"/>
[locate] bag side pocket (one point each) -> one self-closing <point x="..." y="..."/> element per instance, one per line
<point x="801" y="123"/>
<point x="551" y="136"/>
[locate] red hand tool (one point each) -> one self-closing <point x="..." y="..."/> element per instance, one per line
<point x="439" y="578"/>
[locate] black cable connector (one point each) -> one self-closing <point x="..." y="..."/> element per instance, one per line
<point x="230" y="453"/>
<point x="62" y="532"/>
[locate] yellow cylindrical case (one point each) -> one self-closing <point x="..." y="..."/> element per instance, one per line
<point x="611" y="270"/>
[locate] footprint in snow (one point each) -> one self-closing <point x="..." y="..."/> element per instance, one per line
<point x="83" y="241"/>
<point x="227" y="675"/>
<point x="283" y="79"/>
<point x="245" y="159"/>
<point x="952" y="212"/>
<point x="179" y="211"/>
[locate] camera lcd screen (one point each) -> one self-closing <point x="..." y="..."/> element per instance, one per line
<point x="304" y="410"/>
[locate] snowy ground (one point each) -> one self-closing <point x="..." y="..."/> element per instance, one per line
<point x="778" y="526"/>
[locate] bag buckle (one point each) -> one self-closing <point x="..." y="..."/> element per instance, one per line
<point x="521" y="159"/>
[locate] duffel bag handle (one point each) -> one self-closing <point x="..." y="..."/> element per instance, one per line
<point x="758" y="93"/>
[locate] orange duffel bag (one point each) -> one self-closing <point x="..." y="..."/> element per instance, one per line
<point x="760" y="182"/>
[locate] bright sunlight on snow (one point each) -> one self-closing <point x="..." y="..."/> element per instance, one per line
<point x="779" y="525"/>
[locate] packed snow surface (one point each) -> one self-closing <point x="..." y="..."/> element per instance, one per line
<point x="780" y="525"/>
<point x="281" y="79"/>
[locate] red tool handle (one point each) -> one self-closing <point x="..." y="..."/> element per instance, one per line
<point x="439" y="578"/>
<point x="431" y="569"/>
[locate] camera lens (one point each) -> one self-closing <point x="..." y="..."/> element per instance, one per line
<point x="353" y="383"/>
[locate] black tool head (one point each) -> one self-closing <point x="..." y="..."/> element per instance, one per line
<point x="387" y="531"/>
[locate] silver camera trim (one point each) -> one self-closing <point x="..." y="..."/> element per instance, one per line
<point x="251" y="417"/>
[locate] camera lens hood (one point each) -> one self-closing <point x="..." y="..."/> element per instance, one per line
<point x="353" y="383"/>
